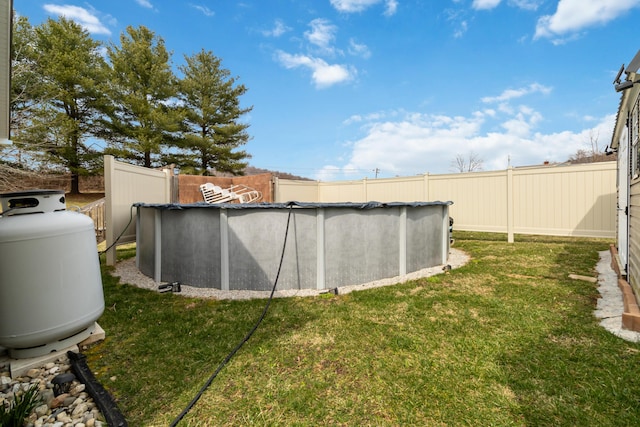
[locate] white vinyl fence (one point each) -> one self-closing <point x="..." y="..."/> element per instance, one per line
<point x="125" y="185"/>
<point x="574" y="200"/>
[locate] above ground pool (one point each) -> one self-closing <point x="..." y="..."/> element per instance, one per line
<point x="329" y="245"/>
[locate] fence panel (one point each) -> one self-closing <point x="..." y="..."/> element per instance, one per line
<point x="574" y="200"/>
<point x="287" y="190"/>
<point x="408" y="189"/>
<point x="479" y="199"/>
<point x="125" y="185"/>
<point x="346" y="191"/>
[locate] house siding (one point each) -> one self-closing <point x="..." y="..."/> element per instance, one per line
<point x="634" y="237"/>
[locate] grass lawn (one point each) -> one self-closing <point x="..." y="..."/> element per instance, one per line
<point x="507" y="340"/>
<point x="82" y="199"/>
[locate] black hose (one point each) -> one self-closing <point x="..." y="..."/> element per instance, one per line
<point x="120" y="235"/>
<point x="246" y="338"/>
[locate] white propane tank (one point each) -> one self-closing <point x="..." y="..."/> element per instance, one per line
<point x="50" y="282"/>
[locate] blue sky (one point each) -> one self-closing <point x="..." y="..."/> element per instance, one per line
<point x="347" y="89"/>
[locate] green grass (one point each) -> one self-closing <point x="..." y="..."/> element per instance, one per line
<point x="507" y="340"/>
<point x="82" y="199"/>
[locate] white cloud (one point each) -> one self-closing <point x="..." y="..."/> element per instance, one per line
<point x="321" y="38"/>
<point x="492" y="4"/>
<point x="358" y="49"/>
<point x="522" y="123"/>
<point x="357" y="118"/>
<point x="574" y="16"/>
<point x="526" y="4"/>
<point x="204" y="9"/>
<point x="83" y="17"/>
<point x="328" y="173"/>
<point x="485" y="4"/>
<point x="461" y="30"/>
<point x="145" y="3"/>
<point x="323" y="74"/>
<point x="322" y="33"/>
<point x="517" y="93"/>
<point x="279" y="28"/>
<point x="353" y="6"/>
<point x="392" y="7"/>
<point x="458" y="19"/>
<point x="414" y="143"/>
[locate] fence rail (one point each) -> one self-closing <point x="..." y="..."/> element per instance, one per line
<point x="96" y="211"/>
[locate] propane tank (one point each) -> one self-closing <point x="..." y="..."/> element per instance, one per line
<point x="50" y="282"/>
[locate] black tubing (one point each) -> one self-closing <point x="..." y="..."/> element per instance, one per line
<point x="103" y="399"/>
<point x="246" y="338"/>
<point x="115" y="242"/>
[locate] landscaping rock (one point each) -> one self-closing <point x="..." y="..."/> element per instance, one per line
<point x="75" y="408"/>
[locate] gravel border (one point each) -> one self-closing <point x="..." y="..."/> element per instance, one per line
<point x="129" y="273"/>
<point x="610" y="305"/>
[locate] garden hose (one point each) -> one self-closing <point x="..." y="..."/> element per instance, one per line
<point x="246" y="338"/>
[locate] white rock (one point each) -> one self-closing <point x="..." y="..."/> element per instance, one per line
<point x="33" y="373"/>
<point x="63" y="417"/>
<point x="78" y="389"/>
<point x="42" y="410"/>
<point x="80" y="409"/>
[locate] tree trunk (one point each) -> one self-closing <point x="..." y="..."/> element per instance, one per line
<point x="74" y="163"/>
<point x="75" y="183"/>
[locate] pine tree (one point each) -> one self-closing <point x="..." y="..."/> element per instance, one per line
<point x="211" y="103"/>
<point x="143" y="121"/>
<point x="57" y="95"/>
<point x="26" y="86"/>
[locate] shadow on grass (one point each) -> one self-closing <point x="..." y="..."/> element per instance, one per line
<point x="563" y="379"/>
<point x="572" y="371"/>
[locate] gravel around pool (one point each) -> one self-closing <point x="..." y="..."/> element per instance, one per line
<point x="128" y="273"/>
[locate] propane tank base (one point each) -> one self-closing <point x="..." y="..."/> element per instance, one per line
<point x="41" y="350"/>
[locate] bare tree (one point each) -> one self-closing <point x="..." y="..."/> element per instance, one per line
<point x="471" y="163"/>
<point x="592" y="153"/>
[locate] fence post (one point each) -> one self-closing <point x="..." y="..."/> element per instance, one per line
<point x="109" y="234"/>
<point x="425" y="190"/>
<point x="168" y="175"/>
<point x="510" y="238"/>
<point x="364" y="189"/>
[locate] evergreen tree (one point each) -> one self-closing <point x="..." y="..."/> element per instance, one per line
<point x="25" y="93"/>
<point x="212" y="112"/>
<point x="143" y="121"/>
<point x="58" y="96"/>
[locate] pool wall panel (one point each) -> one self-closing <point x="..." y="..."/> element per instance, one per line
<point x="328" y="246"/>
